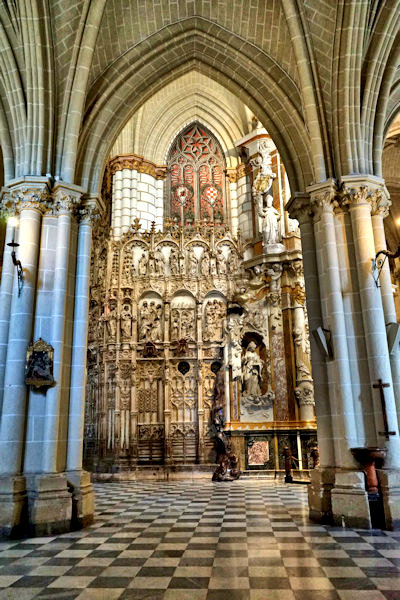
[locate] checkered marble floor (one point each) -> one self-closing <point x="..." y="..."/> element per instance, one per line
<point x="245" y="540"/>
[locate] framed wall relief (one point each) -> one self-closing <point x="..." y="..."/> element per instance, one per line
<point x="39" y="364"/>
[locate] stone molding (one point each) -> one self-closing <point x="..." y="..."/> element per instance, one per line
<point x="137" y="163"/>
<point x="236" y="173"/>
<point x="299" y="208"/>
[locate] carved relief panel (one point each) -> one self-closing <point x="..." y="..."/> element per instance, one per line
<point x="150" y="409"/>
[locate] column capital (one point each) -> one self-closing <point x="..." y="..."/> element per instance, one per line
<point x="377" y="198"/>
<point x="26" y="193"/>
<point x="90" y="210"/>
<point x="66" y="198"/>
<point x="357" y="190"/>
<point x="323" y="197"/>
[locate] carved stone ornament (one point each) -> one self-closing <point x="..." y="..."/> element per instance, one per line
<point x="39" y="364"/>
<point x="304" y="393"/>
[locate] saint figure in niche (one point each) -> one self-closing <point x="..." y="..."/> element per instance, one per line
<point x="270" y="226"/>
<point x="252" y="367"/>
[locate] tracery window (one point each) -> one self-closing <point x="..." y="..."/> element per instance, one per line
<point x="196" y="181"/>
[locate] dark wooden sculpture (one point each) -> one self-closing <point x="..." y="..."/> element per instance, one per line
<point x="227" y="469"/>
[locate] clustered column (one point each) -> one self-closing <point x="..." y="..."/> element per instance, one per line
<point x="38" y="496"/>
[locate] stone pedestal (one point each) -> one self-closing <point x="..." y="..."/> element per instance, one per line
<point x="389" y="481"/>
<point x="82" y="498"/>
<point x="350" y="506"/>
<point x="12" y="506"/>
<point x="319" y="494"/>
<point x="49" y="504"/>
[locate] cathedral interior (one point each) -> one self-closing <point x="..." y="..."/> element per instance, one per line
<point x="200" y="299"/>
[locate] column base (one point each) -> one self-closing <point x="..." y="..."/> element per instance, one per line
<point x="350" y="506"/>
<point x="319" y="494"/>
<point x="389" y="483"/>
<point x="13" y="508"/>
<point x="82" y="498"/>
<point x="49" y="504"/>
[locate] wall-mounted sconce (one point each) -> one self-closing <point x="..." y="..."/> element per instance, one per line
<point x="13" y="222"/>
<point x="377" y="263"/>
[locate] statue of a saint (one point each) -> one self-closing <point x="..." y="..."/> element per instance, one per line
<point x="174" y="262"/>
<point x="126" y="321"/>
<point x="252" y="367"/>
<point x="270" y="222"/>
<point x="111" y="322"/>
<point x="142" y="269"/>
<point x="159" y="262"/>
<point x="205" y="264"/>
<point x="221" y="262"/>
<point x="175" y="325"/>
<point x="193" y="264"/>
<point x="213" y="264"/>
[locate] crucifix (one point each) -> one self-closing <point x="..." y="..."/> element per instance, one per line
<point x="379" y="386"/>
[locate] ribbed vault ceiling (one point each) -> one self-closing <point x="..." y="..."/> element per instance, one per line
<point x="192" y="96"/>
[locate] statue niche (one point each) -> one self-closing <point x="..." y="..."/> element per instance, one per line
<point x="256" y="397"/>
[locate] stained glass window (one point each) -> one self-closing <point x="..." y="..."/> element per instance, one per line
<point x="196" y="182"/>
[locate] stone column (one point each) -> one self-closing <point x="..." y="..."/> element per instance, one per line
<point x="349" y="498"/>
<point x="374" y="321"/>
<point x="47" y="481"/>
<point x="30" y="198"/>
<point x="319" y="492"/>
<point x="361" y="194"/>
<point x="304" y="390"/>
<point x="82" y="491"/>
<point x="6" y="286"/>
<point x="379" y="210"/>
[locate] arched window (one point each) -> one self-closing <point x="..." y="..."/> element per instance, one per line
<point x="196" y="177"/>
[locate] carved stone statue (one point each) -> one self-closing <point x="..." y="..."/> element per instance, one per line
<point x="215" y="312"/>
<point x="150" y="328"/>
<point x="193" y="264"/>
<point x="144" y="326"/>
<point x="111" y="322"/>
<point x="126" y="321"/>
<point x="175" y="325"/>
<point x="234" y="330"/>
<point x="181" y="263"/>
<point x="159" y="262"/>
<point x="213" y="264"/>
<point x="187" y="324"/>
<point x="174" y="262"/>
<point x="142" y="267"/>
<point x="270" y="222"/>
<point x="152" y="264"/>
<point x="252" y="367"/>
<point x="205" y="264"/>
<point x="221" y="262"/>
<point x="156" y="329"/>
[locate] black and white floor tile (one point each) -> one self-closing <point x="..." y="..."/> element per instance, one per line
<point x="245" y="540"/>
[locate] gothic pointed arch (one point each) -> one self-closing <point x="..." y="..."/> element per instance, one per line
<point x="195" y="178"/>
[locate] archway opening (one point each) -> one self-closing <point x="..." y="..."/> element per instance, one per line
<point x="201" y="264"/>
